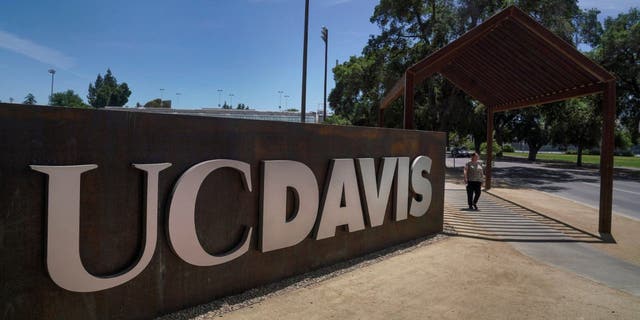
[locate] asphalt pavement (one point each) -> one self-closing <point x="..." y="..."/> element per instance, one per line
<point x="568" y="181"/>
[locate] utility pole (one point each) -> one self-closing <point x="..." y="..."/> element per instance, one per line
<point x="303" y="107"/>
<point x="325" y="38"/>
<point x="219" y="96"/>
<point x="280" y="101"/>
<point x="161" y="96"/>
<point x="53" y="72"/>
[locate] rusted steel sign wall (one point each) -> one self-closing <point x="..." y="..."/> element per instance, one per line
<point x="119" y="215"/>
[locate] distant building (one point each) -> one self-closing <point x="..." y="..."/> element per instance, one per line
<point x="311" y="117"/>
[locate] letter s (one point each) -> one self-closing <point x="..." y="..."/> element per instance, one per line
<point x="421" y="186"/>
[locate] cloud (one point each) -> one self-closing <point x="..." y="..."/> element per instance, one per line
<point x="34" y="51"/>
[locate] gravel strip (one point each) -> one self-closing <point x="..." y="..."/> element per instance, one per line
<point x="248" y="298"/>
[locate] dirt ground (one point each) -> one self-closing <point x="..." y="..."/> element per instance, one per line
<point x="456" y="278"/>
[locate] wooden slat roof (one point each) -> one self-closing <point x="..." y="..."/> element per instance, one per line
<point x="510" y="61"/>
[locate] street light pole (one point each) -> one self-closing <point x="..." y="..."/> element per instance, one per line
<point x="161" y="96"/>
<point x="303" y="107"/>
<point x="231" y="100"/>
<point x="53" y="72"/>
<point x="286" y="98"/>
<point x="280" y="101"/>
<point x="178" y="99"/>
<point x="325" y="38"/>
<point x="219" y="96"/>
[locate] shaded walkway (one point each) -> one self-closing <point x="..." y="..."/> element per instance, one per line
<point x="539" y="237"/>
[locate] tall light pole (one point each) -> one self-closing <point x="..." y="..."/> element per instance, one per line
<point x="53" y="72"/>
<point x="325" y="38"/>
<point x="286" y="98"/>
<point x="280" y="101"/>
<point x="303" y="107"/>
<point x="161" y="96"/>
<point x="178" y="99"/>
<point x="231" y="100"/>
<point x="219" y="96"/>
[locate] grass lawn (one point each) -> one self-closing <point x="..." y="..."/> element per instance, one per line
<point x="618" y="162"/>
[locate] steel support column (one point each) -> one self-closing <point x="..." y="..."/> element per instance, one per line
<point x="408" y="100"/>
<point x="606" y="156"/>
<point x="489" y="148"/>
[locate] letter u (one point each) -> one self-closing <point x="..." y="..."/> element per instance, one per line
<point x="63" y="228"/>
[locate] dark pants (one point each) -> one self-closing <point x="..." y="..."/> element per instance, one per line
<point x="473" y="187"/>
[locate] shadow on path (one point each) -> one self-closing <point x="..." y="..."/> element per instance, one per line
<point x="500" y="220"/>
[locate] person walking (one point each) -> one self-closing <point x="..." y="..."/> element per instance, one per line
<point x="473" y="178"/>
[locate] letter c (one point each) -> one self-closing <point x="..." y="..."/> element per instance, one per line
<point x="182" y="228"/>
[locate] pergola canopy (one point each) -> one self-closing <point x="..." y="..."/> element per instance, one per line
<point x="510" y="61"/>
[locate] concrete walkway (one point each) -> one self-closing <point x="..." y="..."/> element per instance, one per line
<point x="537" y="236"/>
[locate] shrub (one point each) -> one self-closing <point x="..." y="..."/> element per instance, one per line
<point x="507" y="148"/>
<point x="496" y="148"/>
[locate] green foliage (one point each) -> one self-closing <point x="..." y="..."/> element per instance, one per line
<point x="242" y="106"/>
<point x="623" y="140"/>
<point x="157" y="103"/>
<point x="589" y="28"/>
<point x="30" y="99"/>
<point x="411" y="30"/>
<point x="292" y="110"/>
<point x="226" y="106"/>
<point x="508" y="148"/>
<point x="533" y="126"/>
<point x="619" y="52"/>
<point x="577" y="122"/>
<point x="337" y="120"/>
<point x="67" y="99"/>
<point x="107" y="92"/>
<point x="497" y="150"/>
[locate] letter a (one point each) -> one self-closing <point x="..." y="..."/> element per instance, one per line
<point x="63" y="228"/>
<point x="342" y="181"/>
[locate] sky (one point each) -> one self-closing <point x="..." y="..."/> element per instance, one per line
<point x="250" y="49"/>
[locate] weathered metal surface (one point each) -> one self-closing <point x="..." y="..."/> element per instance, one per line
<point x="112" y="203"/>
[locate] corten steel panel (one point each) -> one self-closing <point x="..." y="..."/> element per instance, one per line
<point x="112" y="204"/>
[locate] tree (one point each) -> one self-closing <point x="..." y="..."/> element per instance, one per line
<point x="577" y="123"/>
<point x="67" y="99"/>
<point x="107" y="92"/>
<point x="226" y="106"/>
<point x="242" y="106"/>
<point x="30" y="99"/>
<point x="337" y="120"/>
<point x="619" y="52"/>
<point x="157" y="103"/>
<point x="533" y="126"/>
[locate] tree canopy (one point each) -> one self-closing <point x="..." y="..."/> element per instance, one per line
<point x="30" y="99"/>
<point x="412" y="29"/>
<point x="106" y="91"/>
<point x="67" y="99"/>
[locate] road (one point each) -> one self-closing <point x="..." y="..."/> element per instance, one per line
<point x="568" y="181"/>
